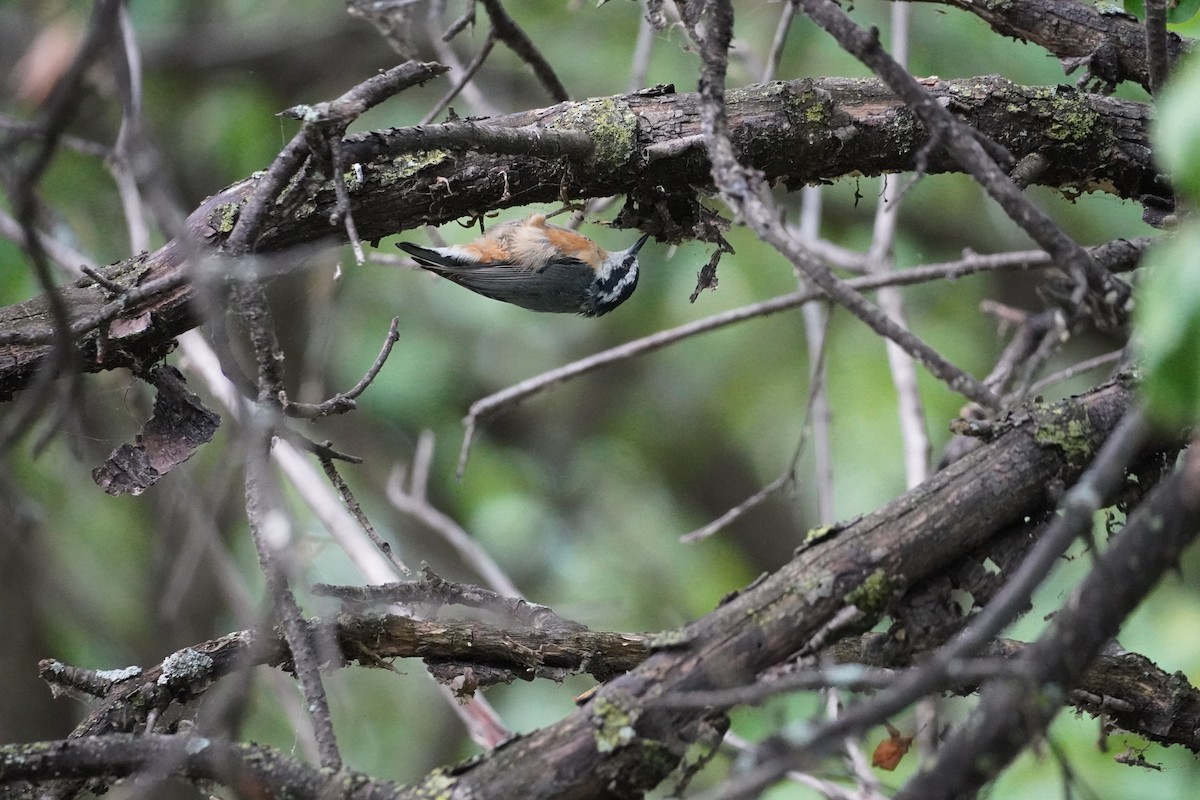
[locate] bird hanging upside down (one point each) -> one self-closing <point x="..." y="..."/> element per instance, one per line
<point x="539" y="266"/>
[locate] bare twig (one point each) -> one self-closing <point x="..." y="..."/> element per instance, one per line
<point x="478" y="101"/>
<point x="511" y="34"/>
<point x="462" y="23"/>
<point x="493" y="403"/>
<point x="110" y="286"/>
<point x="414" y="502"/>
<point x="464" y="79"/>
<point x="1086" y="365"/>
<point x="816" y="393"/>
<point x="913" y="426"/>
<point x="643" y="48"/>
<point x="67" y="258"/>
<point x="344" y="401"/>
<point x="269" y="526"/>
<point x="816" y="325"/>
<point x="355" y="509"/>
<point x="1156" y="44"/>
<point x="904" y="375"/>
<point x="344" y="213"/>
<point x="786" y="15"/>
<point x="1108" y="294"/>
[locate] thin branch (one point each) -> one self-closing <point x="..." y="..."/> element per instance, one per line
<point x="743" y="189"/>
<point x="511" y="34"/>
<point x="913" y="425"/>
<point x="1078" y="368"/>
<point x="356" y="511"/>
<point x="1156" y="44"/>
<point x="1108" y="294"/>
<point x="271" y="532"/>
<point x="464" y="79"/>
<point x="643" y="49"/>
<point x="478" y="101"/>
<point x="816" y="327"/>
<point x="344" y="213"/>
<point x="344" y="401"/>
<point x="462" y="23"/>
<point x="952" y="270"/>
<point x="816" y="393"/>
<point x="414" y="502"/>
<point x="1101" y="479"/>
<point x="786" y="15"/>
<point x="67" y="258"/>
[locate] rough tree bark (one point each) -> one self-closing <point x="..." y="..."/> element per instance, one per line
<point x="637" y="728"/>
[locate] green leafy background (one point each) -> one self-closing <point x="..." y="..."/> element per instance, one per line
<point x="580" y="493"/>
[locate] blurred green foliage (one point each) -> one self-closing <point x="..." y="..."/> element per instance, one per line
<point x="1169" y="308"/>
<point x="580" y="493"/>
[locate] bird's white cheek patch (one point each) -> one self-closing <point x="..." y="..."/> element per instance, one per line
<point x="619" y="288"/>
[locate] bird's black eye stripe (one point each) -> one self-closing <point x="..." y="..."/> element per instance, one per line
<point x="615" y="277"/>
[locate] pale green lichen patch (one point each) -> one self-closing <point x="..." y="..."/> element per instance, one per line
<point x="872" y="596"/>
<point x="821" y="532"/>
<point x="408" y="164"/>
<point x="224" y="217"/>
<point x="611" y="124"/>
<point x="118" y="675"/>
<point x="668" y="640"/>
<point x="614" y="721"/>
<point x="1072" y="122"/>
<point x="1066" y="426"/>
<point x="436" y="784"/>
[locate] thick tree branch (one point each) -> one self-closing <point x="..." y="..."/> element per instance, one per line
<point x="857" y="567"/>
<point x="796" y="132"/>
<point x="1013" y="711"/>
<point x="1108" y="42"/>
<point x="523" y="653"/>
<point x="254" y="770"/>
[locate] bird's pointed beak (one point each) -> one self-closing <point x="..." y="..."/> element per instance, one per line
<point x="638" y="245"/>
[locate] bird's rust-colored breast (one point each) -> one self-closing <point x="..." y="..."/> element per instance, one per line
<point x="530" y="244"/>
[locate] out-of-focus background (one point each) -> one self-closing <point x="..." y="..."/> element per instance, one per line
<point x="581" y="493"/>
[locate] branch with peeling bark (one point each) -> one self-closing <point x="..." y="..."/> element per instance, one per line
<point x="796" y="132"/>
<point x="1109" y="43"/>
<point x="860" y="567"/>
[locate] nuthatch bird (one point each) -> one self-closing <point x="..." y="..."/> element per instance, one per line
<point x="539" y="266"/>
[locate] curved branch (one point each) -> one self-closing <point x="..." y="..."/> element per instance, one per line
<point x="505" y="653"/>
<point x="796" y="132"/>
<point x="256" y="770"/>
<point x="622" y="742"/>
<point x="1111" y="43"/>
<point x="1011" y="712"/>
